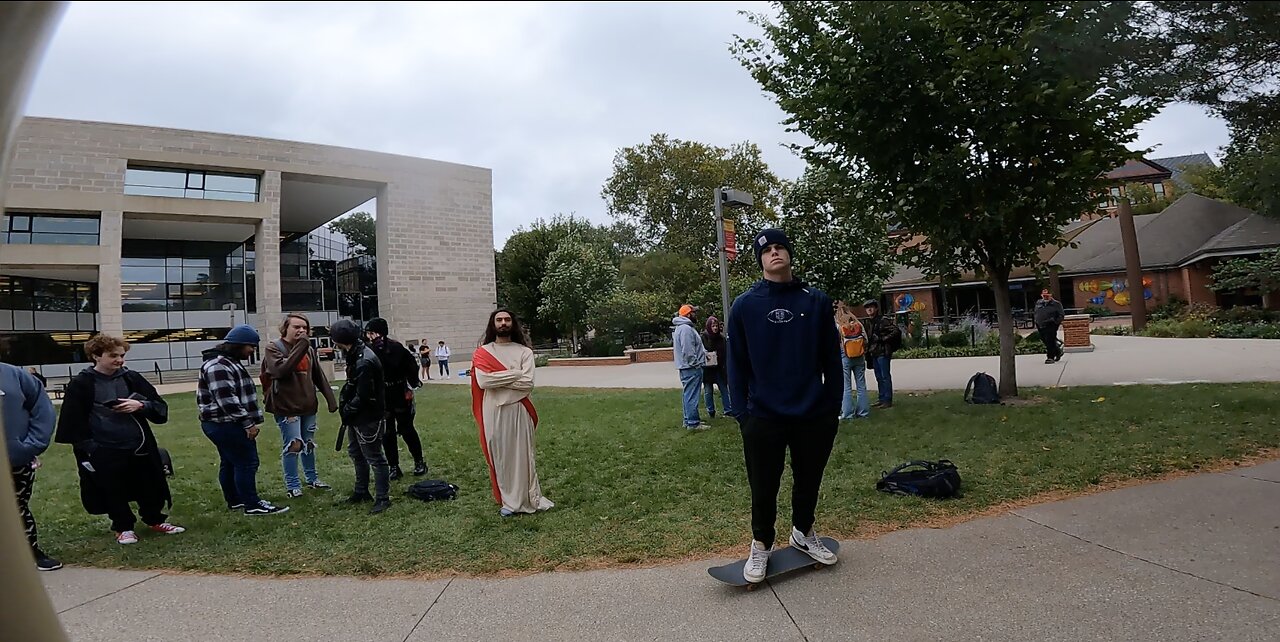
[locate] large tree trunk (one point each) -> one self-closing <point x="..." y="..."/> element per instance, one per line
<point x="1008" y="349"/>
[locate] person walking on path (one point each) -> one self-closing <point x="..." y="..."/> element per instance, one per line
<point x="442" y="358"/>
<point x="690" y="357"/>
<point x="363" y="406"/>
<point x="501" y="380"/>
<point x="784" y="383"/>
<point x="1048" y="317"/>
<point x="106" y="416"/>
<point x="400" y="370"/>
<point x="714" y="373"/>
<point x="885" y="339"/>
<point x="231" y="419"/>
<point x="28" y="429"/>
<point x="853" y="347"/>
<point x="291" y="375"/>
<point x="424" y="358"/>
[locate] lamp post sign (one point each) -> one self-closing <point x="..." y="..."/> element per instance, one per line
<point x="730" y="239"/>
<point x="726" y="238"/>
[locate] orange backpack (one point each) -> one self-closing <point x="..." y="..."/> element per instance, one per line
<point x="855" y="340"/>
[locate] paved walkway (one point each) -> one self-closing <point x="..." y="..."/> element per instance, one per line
<point x="1192" y="559"/>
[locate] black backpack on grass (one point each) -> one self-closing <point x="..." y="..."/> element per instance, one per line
<point x="937" y="479"/>
<point x="982" y="389"/>
<point x="431" y="490"/>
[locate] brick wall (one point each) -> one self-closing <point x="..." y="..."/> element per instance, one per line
<point x="651" y="355"/>
<point x="591" y="361"/>
<point x="1160" y="290"/>
<point x="1196" y="278"/>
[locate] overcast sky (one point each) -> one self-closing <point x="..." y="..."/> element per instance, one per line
<point x="542" y="93"/>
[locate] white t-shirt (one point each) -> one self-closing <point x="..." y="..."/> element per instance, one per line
<point x="442" y="353"/>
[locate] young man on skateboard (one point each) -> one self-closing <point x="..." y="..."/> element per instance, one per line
<point x="785" y="385"/>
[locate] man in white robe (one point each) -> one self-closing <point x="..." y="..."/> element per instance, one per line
<point x="501" y="380"/>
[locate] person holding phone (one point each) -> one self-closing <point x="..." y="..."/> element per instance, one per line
<point x="106" y="416"/>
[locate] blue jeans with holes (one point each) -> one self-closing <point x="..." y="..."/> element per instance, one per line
<point x="300" y="428"/>
<point x="855" y="368"/>
<point x="691" y="379"/>
<point x="884" y="381"/>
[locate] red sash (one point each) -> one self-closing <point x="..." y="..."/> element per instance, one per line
<point x="486" y="362"/>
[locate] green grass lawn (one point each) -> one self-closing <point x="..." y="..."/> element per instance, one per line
<point x="631" y="486"/>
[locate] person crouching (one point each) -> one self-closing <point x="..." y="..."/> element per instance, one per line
<point x="362" y="406"/>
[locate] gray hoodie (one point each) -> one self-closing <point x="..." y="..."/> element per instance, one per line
<point x="113" y="429"/>
<point x="686" y="345"/>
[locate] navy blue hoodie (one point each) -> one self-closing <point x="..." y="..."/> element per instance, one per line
<point x="784" y="357"/>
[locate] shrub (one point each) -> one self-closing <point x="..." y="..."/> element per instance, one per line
<point x="1202" y="311"/>
<point x="1245" y="315"/>
<point x="954" y="339"/>
<point x="541" y="360"/>
<point x="1113" y="331"/>
<point x="1186" y="328"/>
<point x="1170" y="309"/>
<point x="1099" y="311"/>
<point x="1248" y="331"/>
<point x="975" y="327"/>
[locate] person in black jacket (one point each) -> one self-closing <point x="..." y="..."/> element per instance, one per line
<point x="785" y="383"/>
<point x="1048" y="317"/>
<point x="362" y="406"/>
<point x="885" y="338"/>
<point x="715" y="372"/>
<point x="401" y="371"/>
<point x="106" y="416"/>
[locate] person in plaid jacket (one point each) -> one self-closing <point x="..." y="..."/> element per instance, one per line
<point x="230" y="418"/>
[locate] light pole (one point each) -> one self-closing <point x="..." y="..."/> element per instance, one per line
<point x="731" y="198"/>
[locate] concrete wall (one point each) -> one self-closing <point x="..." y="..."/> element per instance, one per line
<point x="435" y="219"/>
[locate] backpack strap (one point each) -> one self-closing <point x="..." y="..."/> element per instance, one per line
<point x="968" y="390"/>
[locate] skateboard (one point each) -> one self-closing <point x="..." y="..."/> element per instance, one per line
<point x="784" y="560"/>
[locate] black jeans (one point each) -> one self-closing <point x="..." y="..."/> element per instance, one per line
<point x="400" y="422"/>
<point x="123" y="474"/>
<point x="365" y="451"/>
<point x="1049" y="334"/>
<point x="764" y="444"/>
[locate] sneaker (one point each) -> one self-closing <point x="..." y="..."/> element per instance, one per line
<point x="379" y="506"/>
<point x="127" y="537"/>
<point x="699" y="426"/>
<point x="320" y="485"/>
<point x="506" y="512"/>
<point x="754" y="570"/>
<point x="167" y="529"/>
<point x="294" y="492"/>
<point x="1048" y="360"/>
<point x="395" y="473"/>
<point x="812" y="546"/>
<point x="1057" y="358"/>
<point x="239" y="506"/>
<point x="265" y="507"/>
<point x="46" y="563"/>
<point x="711" y="413"/>
<point x="420" y="469"/>
<point x="359" y="498"/>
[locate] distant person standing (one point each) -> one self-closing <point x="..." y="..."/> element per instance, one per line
<point x="853" y="347"/>
<point x="690" y="357"/>
<point x="1048" y="317"/>
<point x="714" y="373"/>
<point x="28" y="429"/>
<point x="362" y="403"/>
<point x="885" y="338"/>
<point x="442" y="358"/>
<point x="424" y="359"/>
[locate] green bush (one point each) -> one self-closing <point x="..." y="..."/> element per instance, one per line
<point x="953" y="339"/>
<point x="1170" y="309"/>
<point x="1099" y="311"/>
<point x="981" y="350"/>
<point x="1245" y="315"/>
<point x="1187" y="328"/>
<point x="541" y="360"/>
<point x="1248" y="331"/>
<point x="1113" y="331"/>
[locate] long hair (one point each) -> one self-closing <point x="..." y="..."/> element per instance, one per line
<point x="517" y="330"/>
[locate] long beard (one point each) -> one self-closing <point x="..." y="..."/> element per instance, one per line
<point x="503" y="332"/>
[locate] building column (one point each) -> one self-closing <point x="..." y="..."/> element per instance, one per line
<point x="110" y="241"/>
<point x="267" y="261"/>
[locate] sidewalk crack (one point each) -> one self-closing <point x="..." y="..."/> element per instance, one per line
<point x="429" y="607"/>
<point x="1151" y="562"/>
<point x="1269" y="481"/>
<point x="123" y="588"/>
<point x="788" y="612"/>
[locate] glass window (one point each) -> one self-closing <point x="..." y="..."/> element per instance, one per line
<point x="193" y="193"/>
<point x="195" y="181"/>
<point x="141" y="291"/>
<point x="62" y="239"/>
<point x="136" y="274"/>
<point x="1159" y="189"/>
<point x="226" y="183"/>
<point x="151" y="305"/>
<point x="155" y="177"/>
<point x="65" y="224"/>
<point x="17" y="238"/>
<point x="19" y="223"/>
<point x="198" y="184"/>
<point x="135" y="261"/>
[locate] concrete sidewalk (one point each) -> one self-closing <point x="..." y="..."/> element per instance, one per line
<point x="1192" y="559"/>
<point x="1117" y="360"/>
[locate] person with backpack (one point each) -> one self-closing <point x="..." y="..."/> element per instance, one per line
<point x="1048" y="317"/>
<point x="400" y="374"/>
<point x="363" y="407"/>
<point x="714" y="373"/>
<point x="784" y="384"/>
<point x="442" y="359"/>
<point x="853" y="347"/>
<point x="291" y="375"/>
<point x="885" y="338"/>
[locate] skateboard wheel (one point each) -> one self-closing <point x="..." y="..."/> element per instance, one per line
<point x="751" y="587"/>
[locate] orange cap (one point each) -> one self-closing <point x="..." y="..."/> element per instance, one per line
<point x="686" y="310"/>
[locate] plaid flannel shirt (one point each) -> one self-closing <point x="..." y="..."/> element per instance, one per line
<point x="226" y="393"/>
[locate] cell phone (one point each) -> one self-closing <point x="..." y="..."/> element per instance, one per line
<point x="113" y="403"/>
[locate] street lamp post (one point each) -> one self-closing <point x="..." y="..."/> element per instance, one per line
<point x="732" y="199"/>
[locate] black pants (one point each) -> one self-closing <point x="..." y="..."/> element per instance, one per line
<point x="1049" y="334"/>
<point x="365" y="451"/>
<point x="765" y="443"/>
<point x="24" y="481"/>
<point x="122" y="474"/>
<point x="400" y="422"/>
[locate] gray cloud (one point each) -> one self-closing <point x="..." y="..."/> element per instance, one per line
<point x="543" y="94"/>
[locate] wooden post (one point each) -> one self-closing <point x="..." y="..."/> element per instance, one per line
<point x="1133" y="266"/>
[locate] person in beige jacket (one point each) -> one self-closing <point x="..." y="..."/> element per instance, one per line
<point x="291" y="375"/>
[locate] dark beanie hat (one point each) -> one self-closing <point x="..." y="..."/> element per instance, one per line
<point x="345" y="332"/>
<point x="377" y="325"/>
<point x="768" y="237"/>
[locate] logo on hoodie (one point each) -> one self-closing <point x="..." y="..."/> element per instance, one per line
<point x="780" y="315"/>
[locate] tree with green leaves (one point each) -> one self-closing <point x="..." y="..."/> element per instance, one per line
<point x="577" y="275"/>
<point x="984" y="127"/>
<point x="662" y="272"/>
<point x="361" y="232"/>
<point x="665" y="189"/>
<point x="632" y="312"/>
<point x="841" y="243"/>
<point x="521" y="265"/>
<point x="1260" y="273"/>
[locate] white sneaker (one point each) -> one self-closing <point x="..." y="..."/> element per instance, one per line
<point x="812" y="546"/>
<point x="757" y="562"/>
<point x="127" y="537"/>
